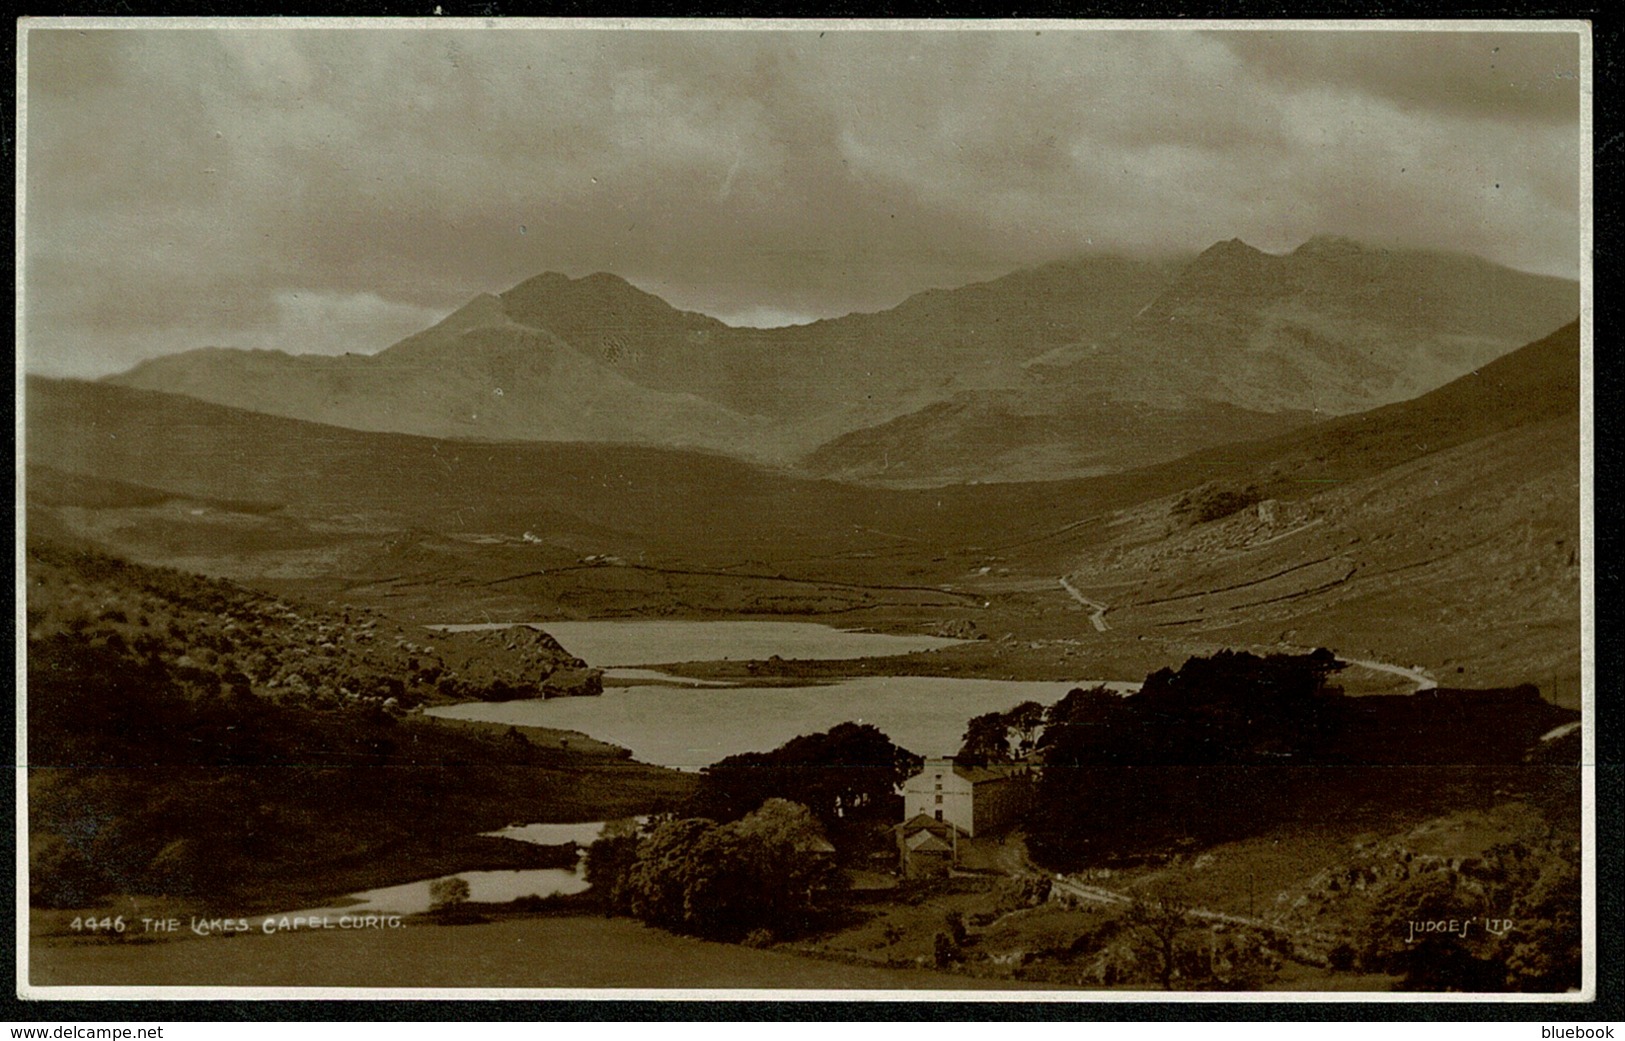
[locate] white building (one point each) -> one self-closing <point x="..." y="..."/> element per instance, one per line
<point x="974" y="799"/>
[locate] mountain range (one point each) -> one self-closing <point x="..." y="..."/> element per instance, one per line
<point x="1084" y="366"/>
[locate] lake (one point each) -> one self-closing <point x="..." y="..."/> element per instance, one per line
<point x="497" y="887"/>
<point x="688" y="728"/>
<point x="671" y="721"/>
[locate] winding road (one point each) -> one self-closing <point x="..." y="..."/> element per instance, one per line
<point x="1097" y="611"/>
<point x="1422" y="680"/>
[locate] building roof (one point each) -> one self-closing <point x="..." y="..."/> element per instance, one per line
<point x="975" y="774"/>
<point x="983" y="774"/>
<point x="926" y="842"/>
<point x="921" y="822"/>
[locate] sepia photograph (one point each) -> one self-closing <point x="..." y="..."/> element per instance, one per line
<point x="1013" y="510"/>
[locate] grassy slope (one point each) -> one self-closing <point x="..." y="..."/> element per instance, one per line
<point x="1441" y="532"/>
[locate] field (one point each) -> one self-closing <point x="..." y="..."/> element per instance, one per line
<point x="565" y="952"/>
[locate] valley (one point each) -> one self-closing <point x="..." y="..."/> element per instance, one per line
<point x="1432" y="543"/>
<point x="839" y="509"/>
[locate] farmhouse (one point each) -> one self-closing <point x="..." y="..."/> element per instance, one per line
<point x="974" y="799"/>
<point x="949" y="811"/>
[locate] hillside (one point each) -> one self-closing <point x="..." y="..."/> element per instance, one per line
<point x="476" y="374"/>
<point x="1037" y="433"/>
<point x="1239" y="345"/>
<point x="596" y="359"/>
<point x="194" y="738"/>
<point x="460" y="520"/>
<point x="1442" y="532"/>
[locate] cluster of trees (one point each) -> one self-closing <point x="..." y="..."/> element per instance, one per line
<point x="1234" y="743"/>
<point x="759" y="877"/>
<point x="1211" y="502"/>
<point x="847" y="777"/>
<point x="750" y="857"/>
<point x="1002" y="737"/>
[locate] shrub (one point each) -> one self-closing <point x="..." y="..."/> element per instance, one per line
<point x="447" y="893"/>
<point x="1211" y="502"/>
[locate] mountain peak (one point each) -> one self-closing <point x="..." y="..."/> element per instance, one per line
<point x="1229" y="249"/>
<point x="553" y="281"/>
<point x="1331" y="246"/>
<point x="553" y="297"/>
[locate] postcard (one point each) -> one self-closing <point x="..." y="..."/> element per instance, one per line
<point x="1001" y="510"/>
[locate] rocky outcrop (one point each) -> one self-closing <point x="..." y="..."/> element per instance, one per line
<point x="573" y="683"/>
<point x="958" y="629"/>
<point x="520" y="661"/>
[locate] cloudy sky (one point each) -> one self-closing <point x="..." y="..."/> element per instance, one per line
<point x="331" y="190"/>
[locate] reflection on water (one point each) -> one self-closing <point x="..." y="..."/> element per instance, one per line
<point x="690" y="728"/>
<point x="608" y="645"/>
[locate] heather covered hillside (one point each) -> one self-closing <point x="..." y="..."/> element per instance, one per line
<point x="197" y="739"/>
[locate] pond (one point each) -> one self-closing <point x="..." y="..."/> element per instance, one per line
<point x="494" y="887"/>
<point x="558" y="834"/>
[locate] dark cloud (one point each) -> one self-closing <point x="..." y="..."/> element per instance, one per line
<point x="332" y="190"/>
<point x="1495" y="76"/>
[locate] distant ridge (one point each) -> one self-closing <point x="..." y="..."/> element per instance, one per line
<point x="1333" y="327"/>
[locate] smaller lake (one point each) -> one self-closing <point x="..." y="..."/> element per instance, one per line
<point x="558" y="834"/>
<point x="488" y="887"/>
<point x="621" y="644"/>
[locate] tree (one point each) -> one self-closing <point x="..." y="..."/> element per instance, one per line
<point x="1082" y="707"/>
<point x="610" y="860"/>
<point x="1509" y="919"/>
<point x="1023" y="724"/>
<point x="448" y="893"/>
<point x="659" y="881"/>
<point x="1544" y="950"/>
<point x="987" y="739"/>
<point x="1000" y="737"/>
<point x="1159" y="917"/>
<point x="1429" y="930"/>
